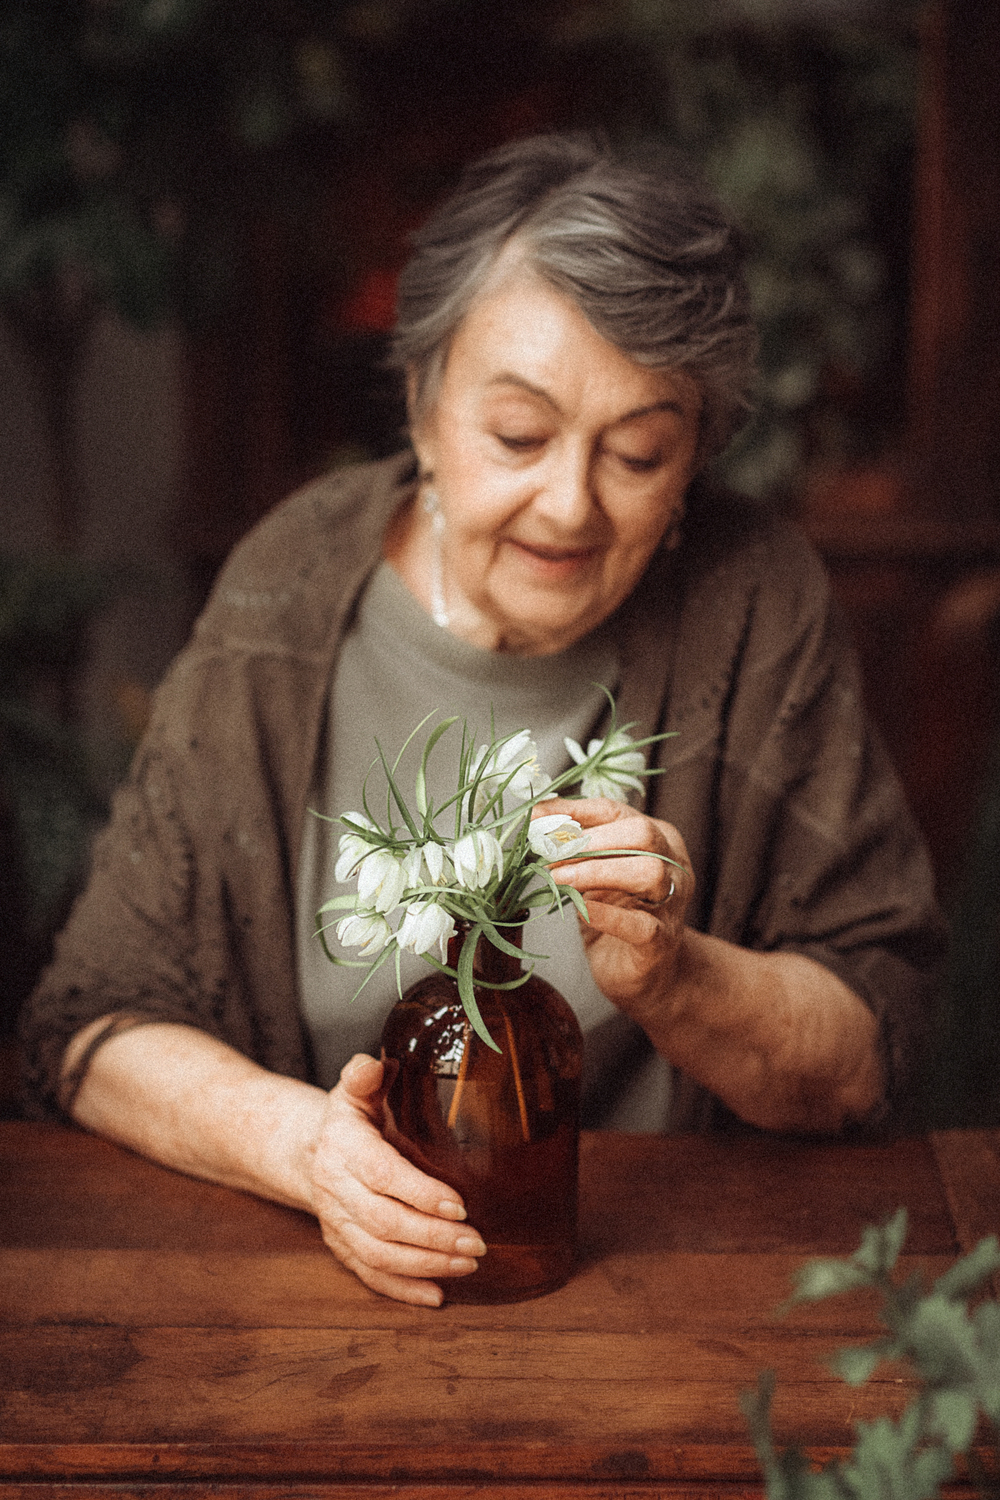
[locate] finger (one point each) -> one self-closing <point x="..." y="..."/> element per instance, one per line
<point x="631" y="924"/>
<point x="389" y="1172"/>
<point x="416" y="1291"/>
<point x="362" y="1079"/>
<point x="401" y="1260"/>
<point x="356" y="1159"/>
<point x="589" y="812"/>
<point x="616" y="825"/>
<point x="649" y="880"/>
<point x="386" y="1173"/>
<point x="624" y="829"/>
<point x="386" y="1218"/>
<point x="401" y="1288"/>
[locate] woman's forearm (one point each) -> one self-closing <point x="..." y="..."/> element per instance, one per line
<point x="181" y="1097"/>
<point x="778" y="1037"/>
<point x="186" y="1100"/>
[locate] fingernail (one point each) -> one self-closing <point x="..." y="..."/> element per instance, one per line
<point x="434" y="1298"/>
<point x="470" y="1244"/>
<point x="448" y="1209"/>
<point x="460" y="1265"/>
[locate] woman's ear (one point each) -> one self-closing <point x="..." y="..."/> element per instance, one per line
<point x="421" y="426"/>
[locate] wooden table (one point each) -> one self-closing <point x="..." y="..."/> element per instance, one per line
<point x="161" y="1337"/>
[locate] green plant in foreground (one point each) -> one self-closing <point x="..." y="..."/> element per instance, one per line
<point x="954" y="1351"/>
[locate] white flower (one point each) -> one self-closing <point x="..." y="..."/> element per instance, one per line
<point x="519" y="755"/>
<point x="434" y="862"/>
<point x="556" y="837"/>
<point x="424" y="864"/>
<point x="476" y="856"/>
<point x="614" y="772"/>
<point x="425" y="925"/>
<point x="382" y="879"/>
<point x="367" y="930"/>
<point x="353" y="848"/>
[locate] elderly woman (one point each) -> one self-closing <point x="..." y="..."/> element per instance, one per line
<point x="576" y="343"/>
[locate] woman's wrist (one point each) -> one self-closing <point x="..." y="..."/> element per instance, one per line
<point x="777" y="1036"/>
<point x="287" y="1121"/>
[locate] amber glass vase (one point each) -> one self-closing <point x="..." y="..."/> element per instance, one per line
<point x="502" y="1128"/>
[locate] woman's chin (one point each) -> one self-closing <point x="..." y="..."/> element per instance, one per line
<point x="533" y="626"/>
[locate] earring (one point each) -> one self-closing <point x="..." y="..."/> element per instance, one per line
<point x="432" y="508"/>
<point x="430" y="501"/>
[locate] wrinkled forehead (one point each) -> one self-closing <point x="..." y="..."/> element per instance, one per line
<point x="512" y="275"/>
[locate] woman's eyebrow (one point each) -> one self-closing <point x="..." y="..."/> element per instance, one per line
<point x="507" y="377"/>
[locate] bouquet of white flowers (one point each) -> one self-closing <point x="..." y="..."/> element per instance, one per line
<point x="417" y="887"/>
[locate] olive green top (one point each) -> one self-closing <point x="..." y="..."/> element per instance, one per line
<point x="396" y="667"/>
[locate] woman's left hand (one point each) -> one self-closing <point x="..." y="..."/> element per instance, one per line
<point x="637" y="904"/>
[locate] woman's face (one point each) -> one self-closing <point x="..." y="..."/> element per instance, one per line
<point x="558" y="464"/>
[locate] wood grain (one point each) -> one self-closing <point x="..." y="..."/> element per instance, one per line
<point x="156" y="1330"/>
<point x="666" y="1194"/>
<point x="969" y="1163"/>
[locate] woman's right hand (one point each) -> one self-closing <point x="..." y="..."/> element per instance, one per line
<point x="384" y="1219"/>
<point x="192" y="1102"/>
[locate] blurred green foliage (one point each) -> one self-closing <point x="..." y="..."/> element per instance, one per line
<point x="953" y="1349"/>
<point x="49" y="807"/>
<point x="808" y="133"/>
<point x="136" y="136"/>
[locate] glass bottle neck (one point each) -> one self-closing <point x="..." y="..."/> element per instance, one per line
<point x="490" y="965"/>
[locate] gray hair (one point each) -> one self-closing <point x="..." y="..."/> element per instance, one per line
<point x="636" y="240"/>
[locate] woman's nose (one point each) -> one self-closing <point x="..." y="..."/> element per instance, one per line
<point x="567" y="496"/>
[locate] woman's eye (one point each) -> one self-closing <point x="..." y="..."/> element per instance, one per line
<point x="640" y="465"/>
<point x="518" y="444"/>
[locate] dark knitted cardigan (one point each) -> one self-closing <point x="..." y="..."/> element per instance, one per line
<point x="795" y="823"/>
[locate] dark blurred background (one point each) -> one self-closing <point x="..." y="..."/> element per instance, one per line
<point x="203" y="208"/>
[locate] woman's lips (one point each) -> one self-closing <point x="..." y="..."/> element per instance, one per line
<point x="553" y="562"/>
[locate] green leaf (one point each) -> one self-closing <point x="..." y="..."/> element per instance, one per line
<point x="882" y="1457"/>
<point x="500" y="942"/>
<point x="338" y="903"/>
<point x="828" y="1278"/>
<point x="941" y="1341"/>
<point x="466" y="989"/>
<point x="615" y="853"/>
<point x="906" y="1297"/>
<point x="376" y="964"/>
<point x="396" y="794"/>
<point x="928" y="1471"/>
<point x="577" y="900"/>
<point x="952" y="1418"/>
<point x="856" y="1365"/>
<point x="968" y="1274"/>
<point x="787" y="1474"/>
<point x="986" y="1321"/>
<point x="880" y="1246"/>
<point x="756" y="1408"/>
<point x="420" y="792"/>
<point x="956" y="1356"/>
